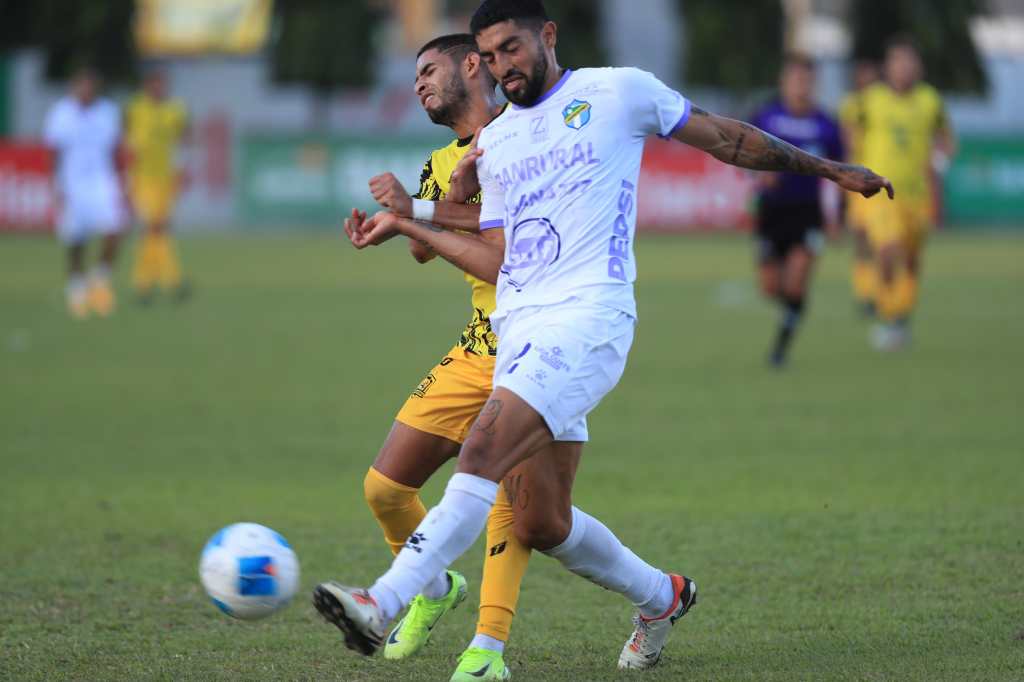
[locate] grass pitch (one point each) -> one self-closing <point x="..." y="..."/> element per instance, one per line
<point x="856" y="517"/>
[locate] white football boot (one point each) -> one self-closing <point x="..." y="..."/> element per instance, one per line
<point x="355" y="613"/>
<point x="643" y="648"/>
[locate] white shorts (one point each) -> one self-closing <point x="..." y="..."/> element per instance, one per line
<point x="562" y="360"/>
<point x="85" y="215"/>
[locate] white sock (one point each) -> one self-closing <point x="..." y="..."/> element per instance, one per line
<point x="593" y="552"/>
<point x="437" y="588"/>
<point x="447" y="531"/>
<point x="489" y="643"/>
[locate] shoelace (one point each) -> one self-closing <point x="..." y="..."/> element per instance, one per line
<point x="640" y="632"/>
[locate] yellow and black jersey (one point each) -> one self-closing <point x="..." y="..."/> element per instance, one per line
<point x="898" y="132"/>
<point x="435" y="181"/>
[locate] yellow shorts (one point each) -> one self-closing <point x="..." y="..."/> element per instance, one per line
<point x="903" y="221"/>
<point x="448" y="400"/>
<point x="153" y="199"/>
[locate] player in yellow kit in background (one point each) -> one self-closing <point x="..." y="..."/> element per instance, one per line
<point x="903" y="121"/>
<point x="864" y="274"/>
<point x="155" y="127"/>
<point x="456" y="91"/>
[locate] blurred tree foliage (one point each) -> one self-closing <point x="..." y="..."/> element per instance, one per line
<point x="940" y="29"/>
<point x="73" y="33"/>
<point x="324" y="43"/>
<point x="735" y="44"/>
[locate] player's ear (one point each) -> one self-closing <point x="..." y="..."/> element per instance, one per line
<point x="471" y="65"/>
<point x="549" y="35"/>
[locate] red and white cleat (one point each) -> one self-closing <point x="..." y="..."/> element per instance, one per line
<point x="643" y="648"/>
<point x="355" y="613"/>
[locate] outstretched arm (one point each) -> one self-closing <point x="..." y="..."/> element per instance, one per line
<point x="388" y="191"/>
<point x="480" y="255"/>
<point x="741" y="144"/>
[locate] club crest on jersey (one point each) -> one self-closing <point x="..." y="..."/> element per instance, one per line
<point x="577" y="114"/>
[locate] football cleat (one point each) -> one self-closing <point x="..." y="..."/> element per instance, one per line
<point x="78" y="304"/>
<point x="643" y="648"/>
<point x="481" y="664"/>
<point x="413" y="631"/>
<point x="354" y="612"/>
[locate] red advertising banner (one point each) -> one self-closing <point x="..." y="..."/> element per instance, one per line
<point x="684" y="190"/>
<point x="26" y="190"/>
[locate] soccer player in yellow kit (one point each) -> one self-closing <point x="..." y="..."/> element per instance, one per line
<point x="902" y="121"/>
<point x="864" y="275"/>
<point x="456" y="91"/>
<point x="156" y="124"/>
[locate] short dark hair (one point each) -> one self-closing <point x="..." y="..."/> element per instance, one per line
<point x="904" y="41"/>
<point x="799" y="59"/>
<point x="458" y="45"/>
<point x="491" y="12"/>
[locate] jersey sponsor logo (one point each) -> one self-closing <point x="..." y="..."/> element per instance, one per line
<point x="551" y="161"/>
<point x="577" y="114"/>
<point x="619" y="246"/>
<point x="535" y="245"/>
<point x="539" y="129"/>
<point x="421" y="390"/>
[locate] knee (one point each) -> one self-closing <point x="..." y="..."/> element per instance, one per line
<point x="478" y="458"/>
<point x="542" y="533"/>
<point x="384" y="495"/>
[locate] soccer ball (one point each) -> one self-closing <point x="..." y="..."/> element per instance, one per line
<point x="248" y="570"/>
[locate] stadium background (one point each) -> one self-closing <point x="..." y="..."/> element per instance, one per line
<point x="857" y="517"/>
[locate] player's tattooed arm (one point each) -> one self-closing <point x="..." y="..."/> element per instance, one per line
<point x="488" y="417"/>
<point x="741" y="144"/>
<point x="480" y="255"/>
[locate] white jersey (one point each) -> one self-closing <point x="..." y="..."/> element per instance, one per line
<point x="561" y="178"/>
<point x="85" y="138"/>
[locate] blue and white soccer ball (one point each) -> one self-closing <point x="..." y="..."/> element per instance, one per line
<point x="249" y="570"/>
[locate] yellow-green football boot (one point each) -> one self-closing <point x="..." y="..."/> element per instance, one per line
<point x="481" y="664"/>
<point x="413" y="631"/>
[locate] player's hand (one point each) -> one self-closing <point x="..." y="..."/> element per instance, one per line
<point x="389" y="193"/>
<point x="379" y="228"/>
<point x="353" y="228"/>
<point x="862" y="180"/>
<point x="464" y="181"/>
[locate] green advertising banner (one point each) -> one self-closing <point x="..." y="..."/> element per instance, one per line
<point x="986" y="183"/>
<point x="303" y="179"/>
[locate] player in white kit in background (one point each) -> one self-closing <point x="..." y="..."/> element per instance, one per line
<point x="84" y="131"/>
<point x="559" y="171"/>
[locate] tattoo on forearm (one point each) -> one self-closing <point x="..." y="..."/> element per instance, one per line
<point x="739" y="146"/>
<point x="488" y="416"/>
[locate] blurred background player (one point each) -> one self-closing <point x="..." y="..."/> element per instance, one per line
<point x="902" y="122"/>
<point x="793" y="209"/>
<point x="84" y="131"/>
<point x="864" y="275"/>
<point x="155" y="126"/>
<point x="457" y="91"/>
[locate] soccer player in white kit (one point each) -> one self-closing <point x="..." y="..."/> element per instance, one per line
<point x="84" y="130"/>
<point x="559" y="171"/>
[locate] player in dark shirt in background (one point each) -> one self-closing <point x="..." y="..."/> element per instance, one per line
<point x="794" y="209"/>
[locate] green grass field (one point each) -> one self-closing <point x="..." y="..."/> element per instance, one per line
<point x="855" y="517"/>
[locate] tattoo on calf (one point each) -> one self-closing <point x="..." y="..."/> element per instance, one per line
<point x="518" y="495"/>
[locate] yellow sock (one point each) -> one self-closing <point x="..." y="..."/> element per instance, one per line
<point x="146" y="270"/>
<point x="169" y="268"/>
<point x="397" y="508"/>
<point x="505" y="561"/>
<point x="896" y="298"/>
<point x="865" y="280"/>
